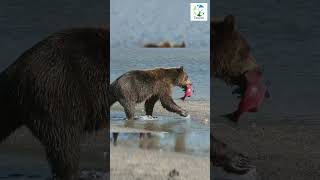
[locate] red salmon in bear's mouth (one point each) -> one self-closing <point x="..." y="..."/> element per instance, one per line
<point x="187" y="91"/>
<point x="252" y="94"/>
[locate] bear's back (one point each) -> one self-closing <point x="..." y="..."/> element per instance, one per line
<point x="67" y="70"/>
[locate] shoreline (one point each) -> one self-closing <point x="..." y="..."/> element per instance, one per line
<point x="198" y="110"/>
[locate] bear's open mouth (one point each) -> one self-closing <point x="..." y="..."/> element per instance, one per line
<point x="184" y="88"/>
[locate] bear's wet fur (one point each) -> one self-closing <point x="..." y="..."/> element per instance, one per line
<point x="232" y="56"/>
<point x="58" y="90"/>
<point x="150" y="86"/>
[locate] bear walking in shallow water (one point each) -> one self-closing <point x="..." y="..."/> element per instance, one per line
<point x="150" y="86"/>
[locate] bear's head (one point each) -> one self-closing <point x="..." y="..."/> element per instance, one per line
<point x="182" y="79"/>
<point x="231" y="52"/>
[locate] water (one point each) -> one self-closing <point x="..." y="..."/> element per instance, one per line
<point x="285" y="37"/>
<point x="193" y="133"/>
<point x="137" y="22"/>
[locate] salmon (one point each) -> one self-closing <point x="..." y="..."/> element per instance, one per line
<point x="187" y="91"/>
<point x="254" y="93"/>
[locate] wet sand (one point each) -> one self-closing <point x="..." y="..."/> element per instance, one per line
<point x="278" y="150"/>
<point x="133" y="163"/>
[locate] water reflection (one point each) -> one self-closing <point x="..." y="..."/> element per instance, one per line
<point x="151" y="141"/>
<point x="166" y="133"/>
<point x="180" y="143"/>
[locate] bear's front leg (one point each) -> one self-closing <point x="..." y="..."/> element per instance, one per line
<point x="168" y="103"/>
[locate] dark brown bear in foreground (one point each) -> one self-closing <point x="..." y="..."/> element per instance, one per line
<point x="58" y="90"/>
<point x="150" y="86"/>
<point x="231" y="59"/>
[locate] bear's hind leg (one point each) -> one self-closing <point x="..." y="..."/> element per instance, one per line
<point x="115" y="138"/>
<point x="63" y="155"/>
<point x="62" y="146"/>
<point x="149" y="104"/>
<point x="129" y="109"/>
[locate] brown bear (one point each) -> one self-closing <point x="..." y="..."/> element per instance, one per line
<point x="58" y="90"/>
<point x="165" y="44"/>
<point x="150" y="86"/>
<point x="231" y="58"/>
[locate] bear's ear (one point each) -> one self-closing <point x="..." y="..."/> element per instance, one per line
<point x="180" y="69"/>
<point x="229" y="23"/>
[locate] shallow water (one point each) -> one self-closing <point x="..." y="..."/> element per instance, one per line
<point x="285" y="37"/>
